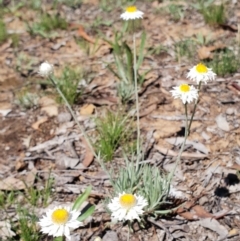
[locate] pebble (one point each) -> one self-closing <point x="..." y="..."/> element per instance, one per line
<point x="205" y="135"/>
<point x="230" y="111"/>
<point x="97" y="239"/>
<point x="110" y="236"/>
<point x="64" y="117"/>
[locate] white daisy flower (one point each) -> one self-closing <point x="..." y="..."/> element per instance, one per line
<point x="127" y="207"/>
<point x="45" y="69"/>
<point x="131" y="13"/>
<point x="201" y="73"/>
<point x="59" y="221"/>
<point x="185" y="92"/>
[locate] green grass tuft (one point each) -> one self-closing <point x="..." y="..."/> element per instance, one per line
<point x="185" y="49"/>
<point x="225" y="62"/>
<point x="47" y="24"/>
<point x="3" y="32"/>
<point x="112" y="131"/>
<point x="26" y="100"/>
<point x="214" y="14"/>
<point x="68" y="84"/>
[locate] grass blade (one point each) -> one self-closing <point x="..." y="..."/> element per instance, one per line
<point x="79" y="201"/>
<point x="86" y="214"/>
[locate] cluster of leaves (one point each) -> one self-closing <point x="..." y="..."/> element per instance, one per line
<point x="68" y="83"/>
<point x="25" y="228"/>
<point x="175" y="10"/>
<point x="124" y="65"/>
<point x="24" y="204"/>
<point x="47" y="24"/>
<point x="146" y="180"/>
<point x="113" y="130"/>
<point x="185" y="48"/>
<point x="225" y="62"/>
<point x="213" y="14"/>
<point x="26" y="100"/>
<point x="3" y="32"/>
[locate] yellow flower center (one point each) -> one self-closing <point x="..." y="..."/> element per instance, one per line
<point x="60" y="216"/>
<point x="128" y="201"/>
<point x="131" y="9"/>
<point x="201" y="68"/>
<point x="184" y="88"/>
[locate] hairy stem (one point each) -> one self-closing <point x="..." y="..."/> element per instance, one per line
<point x="73" y="115"/>
<point x="194" y="109"/>
<point x="136" y="96"/>
<point x="182" y="146"/>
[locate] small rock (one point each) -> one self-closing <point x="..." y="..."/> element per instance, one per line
<point x="110" y="236"/>
<point x="230" y="111"/>
<point x="52" y="131"/>
<point x="87" y="109"/>
<point x="203" y="200"/>
<point x="64" y="117"/>
<point x="212" y="128"/>
<point x="97" y="239"/>
<point x="48" y="105"/>
<point x="222" y="122"/>
<point x="28" y="154"/>
<point x="205" y="136"/>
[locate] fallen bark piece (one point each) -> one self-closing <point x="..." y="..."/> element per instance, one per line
<point x="83" y="34"/>
<point x="37" y="124"/>
<point x="87" y="109"/>
<point x="110" y="236"/>
<point x="215" y="226"/>
<point x="49" y="106"/>
<point x="222" y="122"/>
<point x="5" y="230"/>
<point x="12" y="183"/>
<point x="52" y="143"/>
<point x="88" y="158"/>
<point x="167" y="152"/>
<point x="64" y="162"/>
<point x="179" y="140"/>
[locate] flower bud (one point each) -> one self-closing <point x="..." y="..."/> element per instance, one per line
<point x="45" y="69"/>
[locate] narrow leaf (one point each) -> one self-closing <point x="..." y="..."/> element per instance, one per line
<point x="81" y="198"/>
<point x="58" y="238"/>
<point x="129" y="63"/>
<point x="113" y="71"/>
<point x="86" y="214"/>
<point x="120" y="68"/>
<point x="141" y="54"/>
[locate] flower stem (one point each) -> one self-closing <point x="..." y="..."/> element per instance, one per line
<point x="194" y="109"/>
<point x="59" y="238"/>
<point x="73" y="115"/>
<point x="129" y="226"/>
<point x="51" y="78"/>
<point x="182" y="146"/>
<point x="136" y="96"/>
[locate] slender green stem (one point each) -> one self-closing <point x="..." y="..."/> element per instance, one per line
<point x="186" y="132"/>
<point x="182" y="146"/>
<point x="129" y="226"/>
<point x="194" y="109"/>
<point x="73" y="115"/>
<point x="60" y="238"/>
<point x="136" y="96"/>
<point x="80" y="127"/>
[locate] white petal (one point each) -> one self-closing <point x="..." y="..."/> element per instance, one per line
<point x="132" y="15"/>
<point x="120" y="213"/>
<point x="56" y="230"/>
<point x="67" y="232"/>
